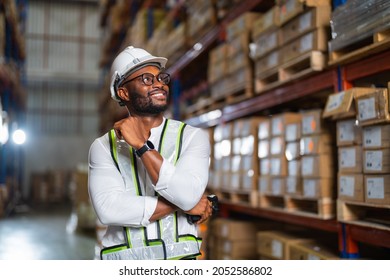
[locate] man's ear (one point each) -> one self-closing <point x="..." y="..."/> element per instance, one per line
<point x="123" y="93"/>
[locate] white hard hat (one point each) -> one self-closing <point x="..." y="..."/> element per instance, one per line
<point x="128" y="61"/>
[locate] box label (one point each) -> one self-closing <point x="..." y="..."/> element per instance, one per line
<point x="347" y="185"/>
<point x="305" y="21"/>
<point x="313" y="257"/>
<point x="347" y="157"/>
<point x="307" y="166"/>
<point x="292" y="132"/>
<point x="264" y="166"/>
<point x="373" y="160"/>
<point x="309" y="125"/>
<point x="366" y="109"/>
<point x="276" y="186"/>
<point x="293" y="168"/>
<point x="309" y="188"/>
<point x="306" y="42"/>
<point x="346" y="131"/>
<point x="335" y="101"/>
<point x="375" y="188"/>
<point x="291" y="185"/>
<point x="277" y="249"/>
<point x="372" y="136"/>
<point x="292" y="150"/>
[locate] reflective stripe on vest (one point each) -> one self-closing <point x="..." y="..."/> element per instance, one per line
<point x="168" y="245"/>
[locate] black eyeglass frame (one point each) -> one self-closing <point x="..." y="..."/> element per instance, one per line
<point x="158" y="77"/>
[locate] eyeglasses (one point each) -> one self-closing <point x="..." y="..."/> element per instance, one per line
<point x="148" y="79"/>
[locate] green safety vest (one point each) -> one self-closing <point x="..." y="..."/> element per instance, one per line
<point x="169" y="244"/>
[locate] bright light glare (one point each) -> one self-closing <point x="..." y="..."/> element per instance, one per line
<point x="19" y="137"/>
<point x="4" y="134"/>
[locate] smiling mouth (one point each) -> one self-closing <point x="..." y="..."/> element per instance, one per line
<point x="158" y="94"/>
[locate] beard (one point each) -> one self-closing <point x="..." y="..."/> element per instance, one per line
<point x="143" y="105"/>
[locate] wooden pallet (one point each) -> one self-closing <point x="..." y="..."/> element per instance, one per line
<point x="364" y="214"/>
<point x="294" y="69"/>
<point x="323" y="208"/>
<point x="376" y="43"/>
<point x="247" y="198"/>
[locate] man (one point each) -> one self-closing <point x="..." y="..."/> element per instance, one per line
<point x="148" y="173"/>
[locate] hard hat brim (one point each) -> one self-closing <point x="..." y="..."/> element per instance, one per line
<point x="158" y="60"/>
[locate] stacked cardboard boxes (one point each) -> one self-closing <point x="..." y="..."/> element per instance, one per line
<point x="276" y="244"/>
<point x="221" y="157"/>
<point x="290" y="40"/>
<point x="244" y="165"/>
<point x="293" y="156"/>
<point x="273" y="161"/>
<point x="237" y="82"/>
<point x="363" y="132"/>
<point x="373" y="115"/>
<point x="235" y="239"/>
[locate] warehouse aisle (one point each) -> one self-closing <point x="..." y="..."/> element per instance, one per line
<point x="41" y="234"/>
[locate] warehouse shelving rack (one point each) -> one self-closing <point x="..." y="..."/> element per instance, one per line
<point x="13" y="95"/>
<point x="332" y="79"/>
<point x="336" y="78"/>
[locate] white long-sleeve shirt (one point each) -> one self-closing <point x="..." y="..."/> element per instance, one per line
<point x="182" y="184"/>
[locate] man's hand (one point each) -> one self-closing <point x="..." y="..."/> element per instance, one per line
<point x="133" y="130"/>
<point x="202" y="209"/>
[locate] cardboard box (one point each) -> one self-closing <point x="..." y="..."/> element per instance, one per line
<point x="240" y="60"/>
<point x="377" y="189"/>
<point x="277" y="146"/>
<point x="294" y="185"/>
<point x="312" y="250"/>
<point x="268" y="20"/>
<point x="316" y="144"/>
<point x="316" y="40"/>
<point x="319" y="188"/>
<point x="265" y="166"/>
<point x="350" y="159"/>
<point x="241" y="24"/>
<point x="265" y="43"/>
<point x="275" y="245"/>
<point x="348" y="133"/>
<point x="293" y="132"/>
<point x="289" y="9"/>
<point x="313" y="166"/>
<point x="376" y="161"/>
<point x="235" y="229"/>
<point x="264" y="184"/>
<point x="376" y="136"/>
<point x="311" y="19"/>
<point x="372" y="107"/>
<point x="341" y="105"/>
<point x="350" y="187"/>
<point x="264" y="129"/>
<point x="277" y="185"/>
<point x="294" y="167"/>
<point x="247" y="126"/>
<point x="280" y="121"/>
<point x="267" y="62"/>
<point x="263" y="148"/>
<point x="236" y="249"/>
<point x="293" y="150"/>
<point x="278" y="166"/>
<point x="244" y="145"/>
<point x="312" y="122"/>
<point x="219" y="53"/>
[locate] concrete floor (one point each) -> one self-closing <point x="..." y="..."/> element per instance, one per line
<point x="44" y="233"/>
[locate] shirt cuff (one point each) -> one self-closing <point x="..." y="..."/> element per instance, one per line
<point x="150" y="206"/>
